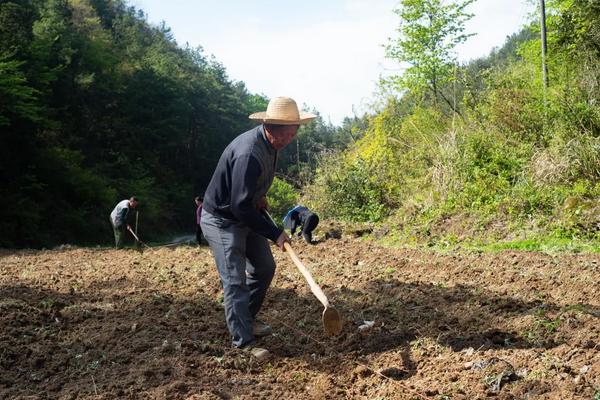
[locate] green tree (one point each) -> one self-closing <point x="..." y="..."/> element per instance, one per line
<point x="17" y="98"/>
<point x="429" y="32"/>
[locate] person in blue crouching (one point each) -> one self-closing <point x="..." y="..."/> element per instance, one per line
<point x="303" y="218"/>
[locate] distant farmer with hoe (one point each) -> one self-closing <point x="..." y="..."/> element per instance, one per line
<point x="118" y="219"/>
<point x="233" y="223"/>
<point x="303" y="218"/>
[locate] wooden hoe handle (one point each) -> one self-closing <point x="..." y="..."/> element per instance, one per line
<point x="314" y="287"/>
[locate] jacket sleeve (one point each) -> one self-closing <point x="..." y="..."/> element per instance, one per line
<point x="295" y="222"/>
<point x="244" y="176"/>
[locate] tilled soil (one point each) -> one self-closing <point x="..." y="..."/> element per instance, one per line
<point x="106" y="324"/>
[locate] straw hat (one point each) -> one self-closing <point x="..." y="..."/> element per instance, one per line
<point x="283" y="111"/>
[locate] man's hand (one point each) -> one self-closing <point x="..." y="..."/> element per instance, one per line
<point x="282" y="239"/>
<point x="262" y="204"/>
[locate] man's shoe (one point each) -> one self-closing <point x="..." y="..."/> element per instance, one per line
<point x="259" y="329"/>
<point x="258" y="353"/>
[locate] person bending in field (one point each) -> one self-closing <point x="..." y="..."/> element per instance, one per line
<point x="303" y="218"/>
<point x="118" y="219"/>
<point x="234" y="225"/>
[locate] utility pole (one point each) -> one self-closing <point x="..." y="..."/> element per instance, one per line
<point x="544" y="43"/>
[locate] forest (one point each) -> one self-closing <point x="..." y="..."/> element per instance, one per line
<point x="97" y="105"/>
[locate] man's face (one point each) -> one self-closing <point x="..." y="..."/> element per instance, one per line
<point x="282" y="136"/>
<point x="133" y="203"/>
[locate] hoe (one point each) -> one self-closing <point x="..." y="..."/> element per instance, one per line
<point x="137" y="239"/>
<point x="332" y="322"/>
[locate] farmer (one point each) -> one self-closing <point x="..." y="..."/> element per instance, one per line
<point x="233" y="222"/>
<point x="303" y="218"/>
<point x="198" y="201"/>
<point x="118" y="219"/>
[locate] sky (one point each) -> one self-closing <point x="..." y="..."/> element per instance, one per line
<point x="326" y="54"/>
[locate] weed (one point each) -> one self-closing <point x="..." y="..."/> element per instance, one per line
<point x="531" y="336"/>
<point x="550" y="325"/>
<point x="536" y="375"/>
<point x="426" y="346"/>
<point x="296" y="376"/>
<point x="417" y="344"/>
<point x="94" y="365"/>
<point x="545" y="243"/>
<point x="47" y="304"/>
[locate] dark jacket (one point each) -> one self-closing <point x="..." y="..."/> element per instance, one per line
<point x="296" y="218"/>
<point x="242" y="177"/>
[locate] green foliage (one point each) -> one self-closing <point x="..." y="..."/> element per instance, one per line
<point x="281" y="198"/>
<point x="545" y="244"/>
<point x="520" y="170"/>
<point x="429" y="32"/>
<point x="348" y="190"/>
<point x="514" y="103"/>
<point x="542" y="322"/>
<point x="17" y="99"/>
<point x="97" y="105"/>
<point x="299" y="159"/>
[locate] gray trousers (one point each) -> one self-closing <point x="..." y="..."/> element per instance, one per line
<point x="246" y="267"/>
<point x="119" y="232"/>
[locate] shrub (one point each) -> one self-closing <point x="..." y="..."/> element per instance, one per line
<point x="281" y="197"/>
<point x="348" y="190"/>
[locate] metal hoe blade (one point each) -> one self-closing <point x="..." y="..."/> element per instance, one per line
<point x="332" y="322"/>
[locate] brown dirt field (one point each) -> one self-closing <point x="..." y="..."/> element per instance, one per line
<point x="106" y="324"/>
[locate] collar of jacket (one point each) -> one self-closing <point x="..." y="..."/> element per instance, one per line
<point x="263" y="134"/>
